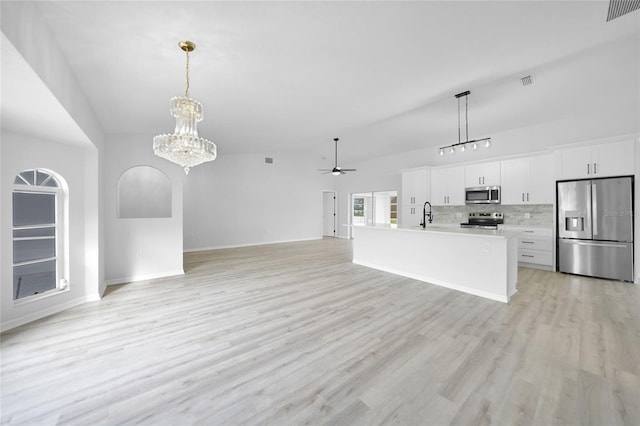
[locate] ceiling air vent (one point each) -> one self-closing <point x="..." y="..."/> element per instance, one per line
<point x="526" y="81"/>
<point x="617" y="8"/>
<point x="268" y="160"/>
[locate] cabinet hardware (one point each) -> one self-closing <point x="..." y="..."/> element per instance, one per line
<point x="527" y="196"/>
<point x="530" y="232"/>
<point x="595" y="168"/>
<point x="588" y="168"/>
<point x="527" y="242"/>
<point x="479" y="180"/>
<point x="527" y="255"/>
<point x="523" y="197"/>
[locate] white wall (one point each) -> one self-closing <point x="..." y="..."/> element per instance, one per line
<point x="240" y="200"/>
<point x="19" y="152"/>
<point x="139" y="249"/>
<point x="24" y="27"/>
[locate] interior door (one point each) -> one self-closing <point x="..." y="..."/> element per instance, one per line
<point x="329" y="214"/>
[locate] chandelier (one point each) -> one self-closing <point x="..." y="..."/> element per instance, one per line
<point x="463" y="145"/>
<point x="184" y="147"/>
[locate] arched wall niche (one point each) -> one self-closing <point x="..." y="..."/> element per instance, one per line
<point x="144" y="192"/>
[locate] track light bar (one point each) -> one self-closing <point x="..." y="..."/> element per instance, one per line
<point x="467" y="143"/>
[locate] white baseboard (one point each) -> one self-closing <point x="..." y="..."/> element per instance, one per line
<point x="262" y="243"/>
<point x="8" y="325"/>
<point x="133" y="278"/>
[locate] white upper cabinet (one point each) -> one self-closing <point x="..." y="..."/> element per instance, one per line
<point x="528" y="180"/>
<point x="447" y="186"/>
<point x="482" y="174"/>
<point x="607" y="159"/>
<point x="416" y="189"/>
<point x="415" y="186"/>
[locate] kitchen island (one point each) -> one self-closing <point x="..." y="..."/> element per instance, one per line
<point x="475" y="261"/>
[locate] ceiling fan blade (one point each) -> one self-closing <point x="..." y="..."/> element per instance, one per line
<point x="348" y="170"/>
<point x="324" y="170"/>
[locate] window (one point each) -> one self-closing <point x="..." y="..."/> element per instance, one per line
<point x="379" y="208"/>
<point x="38" y="261"/>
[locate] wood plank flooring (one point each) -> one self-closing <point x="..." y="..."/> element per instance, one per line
<point x="294" y="333"/>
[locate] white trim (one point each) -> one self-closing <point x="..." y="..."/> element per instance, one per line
<point x="133" y="278"/>
<point x="441" y="283"/>
<point x="45" y="312"/>
<point x="250" y="244"/>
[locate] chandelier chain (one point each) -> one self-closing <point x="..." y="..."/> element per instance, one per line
<point x="186" y="91"/>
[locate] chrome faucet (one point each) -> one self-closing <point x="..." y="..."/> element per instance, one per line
<point x="425" y="214"/>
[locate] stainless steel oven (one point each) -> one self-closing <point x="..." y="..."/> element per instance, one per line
<point x="482" y="195"/>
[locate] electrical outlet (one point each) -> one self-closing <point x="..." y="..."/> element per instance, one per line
<point x="527" y="215"/>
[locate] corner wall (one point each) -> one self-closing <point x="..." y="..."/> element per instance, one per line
<point x="141" y="248"/>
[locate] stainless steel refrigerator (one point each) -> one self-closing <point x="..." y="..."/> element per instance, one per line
<point x="595" y="227"/>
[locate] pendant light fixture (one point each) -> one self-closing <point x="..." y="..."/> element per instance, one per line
<point x="463" y="145"/>
<point x="184" y="147"/>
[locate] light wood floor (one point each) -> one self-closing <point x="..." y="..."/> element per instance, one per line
<point x="295" y="333"/>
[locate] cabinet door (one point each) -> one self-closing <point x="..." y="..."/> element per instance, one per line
<point x="613" y="159"/>
<point x="473" y="175"/>
<point x="439" y="187"/>
<point x="411" y="215"/>
<point x="455" y="186"/>
<point x="482" y="174"/>
<point x="491" y="174"/>
<point x="515" y="184"/>
<point x="576" y="163"/>
<point x="542" y="181"/>
<point x="415" y="187"/>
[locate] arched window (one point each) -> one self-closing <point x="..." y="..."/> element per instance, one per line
<point x="38" y="239"/>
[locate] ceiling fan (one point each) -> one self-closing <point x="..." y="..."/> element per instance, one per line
<point x="336" y="171"/>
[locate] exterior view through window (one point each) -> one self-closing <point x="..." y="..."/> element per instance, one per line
<point x="37" y="251"/>
<point x="374" y="208"/>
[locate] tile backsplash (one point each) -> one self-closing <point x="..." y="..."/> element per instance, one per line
<point x="539" y="214"/>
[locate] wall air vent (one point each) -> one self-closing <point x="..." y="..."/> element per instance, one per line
<point x="617" y="8"/>
<point x="526" y="81"/>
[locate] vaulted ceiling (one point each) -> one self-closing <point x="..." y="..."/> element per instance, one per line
<point x="291" y="76"/>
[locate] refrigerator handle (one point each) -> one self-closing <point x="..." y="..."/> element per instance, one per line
<point x="594" y="197"/>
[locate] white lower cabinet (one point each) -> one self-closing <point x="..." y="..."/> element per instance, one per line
<point x="411" y="215"/>
<point x="535" y="247"/>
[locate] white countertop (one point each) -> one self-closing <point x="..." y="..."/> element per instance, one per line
<point x="451" y="230"/>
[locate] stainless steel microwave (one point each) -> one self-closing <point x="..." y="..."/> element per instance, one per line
<point x="482" y="195"/>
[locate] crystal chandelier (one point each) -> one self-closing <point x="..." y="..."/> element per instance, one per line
<point x="184" y="146"/>
<point x="462" y="146"/>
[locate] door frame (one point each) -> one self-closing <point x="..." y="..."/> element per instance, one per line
<point x="335" y="212"/>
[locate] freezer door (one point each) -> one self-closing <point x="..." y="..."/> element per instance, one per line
<point x="574" y="209"/>
<point x="596" y="259"/>
<point x="612" y="209"/>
